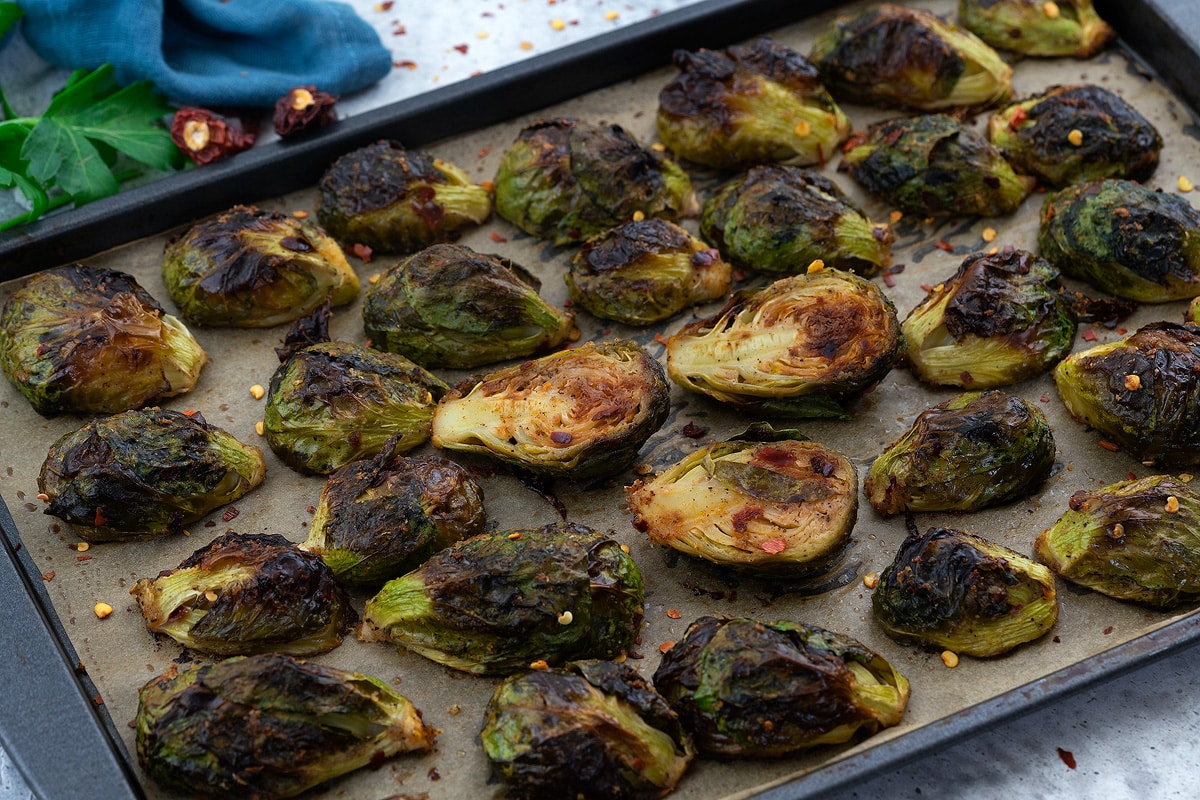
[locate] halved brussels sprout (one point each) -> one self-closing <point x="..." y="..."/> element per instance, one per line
<point x="975" y="450"/>
<point x="1072" y="134"/>
<point x="501" y="601"/>
<point x="145" y="473"/>
<point x="749" y="104"/>
<point x="582" y="413"/>
<point x="781" y="219"/>
<point x="92" y="341"/>
<point x="805" y="346"/>
<point x="1036" y="27"/>
<point x="895" y="56"/>
<point x="396" y="200"/>
<point x="767" y="501"/>
<point x="646" y="271"/>
<point x="448" y="306"/>
<point x="248" y="268"/>
<point x="335" y="402"/>
<point x="1125" y="239"/>
<point x="1133" y="540"/>
<point x="379" y="518"/>
<point x="567" y="181"/>
<point x="959" y="591"/>
<point x="746" y="688"/>
<point x="932" y="165"/>
<point x="593" y="729"/>
<point x="999" y="320"/>
<point x="268" y="726"/>
<point x="247" y="593"/>
<point x="1141" y="391"/>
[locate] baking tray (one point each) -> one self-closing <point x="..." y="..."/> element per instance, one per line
<point x="1098" y="637"/>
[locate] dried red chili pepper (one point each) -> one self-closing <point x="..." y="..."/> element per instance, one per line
<point x="303" y="108"/>
<point x="205" y="136"/>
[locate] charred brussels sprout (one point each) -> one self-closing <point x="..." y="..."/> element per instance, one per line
<point x="335" y="402"/>
<point x="397" y="200"/>
<point x="252" y="269"/>
<point x="750" y="688"/>
<point x="806" y="346"/>
<point x="567" y="181"/>
<point x="1124" y="239"/>
<point x="959" y="591"/>
<point x="93" y="341"/>
<point x="448" y="306"/>
<point x="646" y="271"/>
<point x="247" y="593"/>
<point x="781" y="219"/>
<point x="1134" y="540"/>
<point x="145" y="473"/>
<point x="767" y="501"/>
<point x="748" y="105"/>
<point x="382" y="517"/>
<point x="1037" y="28"/>
<point x="1071" y="134"/>
<point x="999" y="320"/>
<point x="581" y="413"/>
<point x="498" y="602"/>
<point x="932" y="165"/>
<point x="595" y="729"/>
<point x="1142" y="392"/>
<point x="268" y="726"/>
<point x="975" y="450"/>
<point x="890" y="55"/>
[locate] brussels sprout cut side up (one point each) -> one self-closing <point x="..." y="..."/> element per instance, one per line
<point x="746" y="688"/>
<point x="145" y="473"/>
<point x="1037" y="28"/>
<point x="268" y="726"/>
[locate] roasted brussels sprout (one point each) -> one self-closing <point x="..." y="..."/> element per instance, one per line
<point x="595" y="729"/>
<point x="448" y="306"/>
<point x="976" y="450"/>
<point x="750" y="688"/>
<point x="145" y="473"/>
<point x="498" y="602"/>
<point x="379" y="518"/>
<point x="1133" y="540"/>
<point x="999" y="320"/>
<point x="1036" y="27"/>
<point x="646" y="271"/>
<point x="1124" y="239"/>
<point x="901" y="57"/>
<point x="396" y="200"/>
<point x="336" y="402"/>
<point x="1072" y="134"/>
<point x="567" y="181"/>
<point x="93" y="341"/>
<point x="249" y="268"/>
<point x="1141" y="391"/>
<point x="247" y="593"/>
<point x="268" y="726"/>
<point x="806" y="346"/>
<point x="749" y="104"/>
<point x="932" y="165"/>
<point x="781" y="219"/>
<point x="767" y="501"/>
<point x="959" y="591"/>
<point x="582" y="413"/>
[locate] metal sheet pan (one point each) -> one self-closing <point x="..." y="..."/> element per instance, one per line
<point x="1096" y="638"/>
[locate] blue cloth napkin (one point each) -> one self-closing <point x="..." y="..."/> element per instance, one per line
<point x="212" y="52"/>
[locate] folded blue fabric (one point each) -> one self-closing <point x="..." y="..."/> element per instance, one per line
<point x="212" y="52"/>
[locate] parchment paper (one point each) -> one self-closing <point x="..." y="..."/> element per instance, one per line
<point x="120" y="655"/>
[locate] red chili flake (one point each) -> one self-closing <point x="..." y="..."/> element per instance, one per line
<point x="1108" y="630"/>
<point x="311" y="509"/>
<point x="1131" y="476"/>
<point x="361" y="252"/>
<point x="98" y="700"/>
<point x="665" y="647"/>
<point x="693" y="431"/>
<point x="739" y="275"/>
<point x="1109" y="446"/>
<point x="483" y="151"/>
<point x="462" y="48"/>
<point x="640" y="525"/>
<point x="405" y="63"/>
<point x="303" y="109"/>
<point x="942" y="244"/>
<point x="1045" y="398"/>
<point x="744" y="515"/>
<point x="925" y="287"/>
<point x="83" y="558"/>
<point x="674" y="613"/>
<point x="48" y="576"/>
<point x="497" y="238"/>
<point x="400" y="30"/>
<point x="774" y="546"/>
<point x="1019" y="116"/>
<point x="856" y="138"/>
<point x="658" y="337"/>
<point x="1089" y="335"/>
<point x="561" y="437"/>
<point x="205" y="136"/>
<point x="776" y="456"/>
<point x="967" y="378"/>
<point x="100" y="518"/>
<point x="889" y="280"/>
<point x="386" y="5"/>
<point x="1067" y="757"/>
<point x="230" y="514"/>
